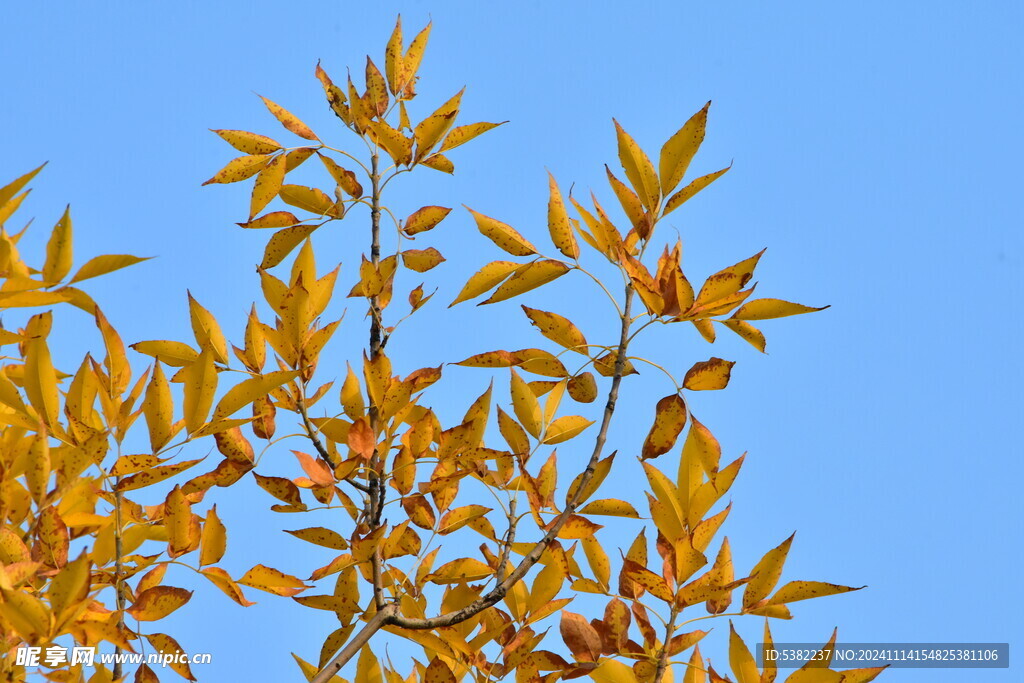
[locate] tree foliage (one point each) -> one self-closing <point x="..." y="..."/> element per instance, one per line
<point x="476" y="588"/>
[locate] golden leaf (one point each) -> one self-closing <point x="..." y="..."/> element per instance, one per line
<point x="529" y="277"/>
<point x="239" y="169"/>
<point x="503" y="235"/>
<point x="289" y="120"/>
<point x="679" y="150"/>
<point x="156" y="603"/>
<point x="669" y="420"/>
<point x="249" y="143"/>
<point x="708" y="375"/>
<point x="638" y="168"/>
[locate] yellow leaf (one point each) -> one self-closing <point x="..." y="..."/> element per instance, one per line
<point x="463" y="134"/>
<point x="410" y="63"/>
<point x="727" y="282"/>
<point x="747" y="332"/>
<point x="667" y="495"/>
<point x="613" y="671"/>
<point x="272" y="581"/>
<point x="457" y="571"/>
<point x="58" y="250"/>
<point x="655" y="585"/>
<point x="558" y="222"/>
<point x="430" y="129"/>
<point x="247" y="391"/>
<point x="577" y="527"/>
<point x="289" y="120"/>
<point x="169" y="647"/>
<point x="116" y="362"/>
<point x="631" y="205"/>
<point x="130" y="464"/>
<point x="249" y="143"/>
<point x="525" y="404"/>
<point x="178" y="523"/>
<point x="70" y="586"/>
<point x="239" y="169"/>
<point x="322" y="537"/>
<point x="439" y="162"/>
<point x="765" y="575"/>
<point x="101" y="265"/>
<point x="307" y="198"/>
<point x="457" y="518"/>
<point x="676" y="200"/>
<point x="530" y="276"/>
<point x="343" y="177"/>
<point x="214" y="539"/>
<point x="172" y="353"/>
<point x="804" y="590"/>
<point x="583" y="387"/>
<point x="207" y="330"/>
<point x="158" y="407"/>
<point x="200" y="387"/>
<point x="26" y="613"/>
<point x="558" y="329"/>
<point x="763" y="309"/>
<point x="220" y="578"/>
<point x="40" y="380"/>
<point x="669" y="420"/>
<point x="638" y="168"/>
<point x="740" y="659"/>
<point x="708" y="375"/>
<point x="12" y="188"/>
<point x="424" y="219"/>
<point x="438" y="672"/>
<point x="283" y="242"/>
<point x="376" y="88"/>
<point x="503" y="235"/>
<point x="484" y="279"/>
<point x="695" y="671"/>
<point x="155" y="475"/>
<point x="268" y="184"/>
<point x="274" y="219"/>
<point x="156" y="603"/>
<point x="422" y="260"/>
<point x="678" y="151"/>
<point x="565" y="428"/>
<point x="393" y="58"/>
<point x="611" y="507"/>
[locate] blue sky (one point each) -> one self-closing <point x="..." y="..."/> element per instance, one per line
<point x="876" y="153"/>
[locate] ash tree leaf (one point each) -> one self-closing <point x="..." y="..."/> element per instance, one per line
<point x="695" y="186"/>
<point x="679" y="150"/>
<point x="239" y="169"/>
<point x="156" y="603"/>
<point x="558" y="329"/>
<point x="562" y="235"/>
<point x="503" y="235"/>
<point x="529" y="277"/>
<point x="484" y="279"/>
<point x="424" y="219"/>
<point x="108" y="263"/>
<point x="289" y="120"/>
<point x="765" y="575"/>
<point x="804" y="590"/>
<point x="708" y="375"/>
<point x="249" y="143"/>
<point x="669" y="420"/>
<point x="765" y="309"/>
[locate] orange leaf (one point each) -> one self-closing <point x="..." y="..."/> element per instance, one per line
<point x="156" y="603"/>
<point x="708" y="375"/>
